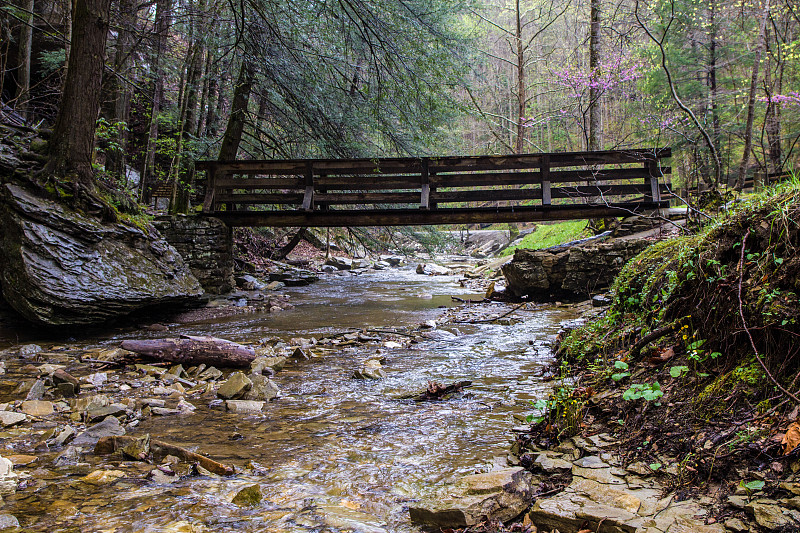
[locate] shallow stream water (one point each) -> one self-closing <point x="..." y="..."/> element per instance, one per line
<point x="332" y="453"/>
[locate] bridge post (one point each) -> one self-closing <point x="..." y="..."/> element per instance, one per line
<point x="654" y="172"/>
<point x="425" y="195"/>
<point x="308" y="197"/>
<point x="544" y="170"/>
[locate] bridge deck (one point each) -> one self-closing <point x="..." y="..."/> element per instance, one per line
<point x="447" y="190"/>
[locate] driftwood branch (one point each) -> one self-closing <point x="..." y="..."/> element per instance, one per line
<point x="437" y="391"/>
<point x="159" y="450"/>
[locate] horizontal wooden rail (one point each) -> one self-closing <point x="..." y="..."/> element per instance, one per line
<point x="266" y="192"/>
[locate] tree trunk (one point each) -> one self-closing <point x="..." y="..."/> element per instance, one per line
<point x="213" y="95"/>
<point x="191" y="350"/>
<point x="235" y="128"/>
<point x="751" y="101"/>
<point x="594" y="63"/>
<point x="712" y="76"/>
<point x="24" y="61"/>
<point x="115" y="159"/>
<point x="206" y="75"/>
<point x="521" y="96"/>
<point x="72" y="141"/>
<point x="772" y="118"/>
<point x="163" y="15"/>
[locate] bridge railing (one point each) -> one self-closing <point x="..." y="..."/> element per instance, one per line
<point x="434" y="183"/>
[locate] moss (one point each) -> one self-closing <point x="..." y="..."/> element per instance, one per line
<point x="141" y="221"/>
<point x="547" y="235"/>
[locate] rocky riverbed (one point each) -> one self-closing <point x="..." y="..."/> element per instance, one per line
<point x="322" y="431"/>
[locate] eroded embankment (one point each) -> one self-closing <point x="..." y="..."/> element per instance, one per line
<point x="693" y="371"/>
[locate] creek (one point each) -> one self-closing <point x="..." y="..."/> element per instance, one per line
<point x="332" y="453"/>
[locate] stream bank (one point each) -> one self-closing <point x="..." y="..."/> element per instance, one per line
<point x="685" y="385"/>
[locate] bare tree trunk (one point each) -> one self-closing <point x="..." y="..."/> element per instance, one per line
<point x="72" y="141"/>
<point x="163" y="15"/>
<point x="751" y="101"/>
<point x="712" y="75"/>
<point x="120" y="87"/>
<point x="594" y="63"/>
<point x="206" y="75"/>
<point x="191" y="350"/>
<point x="213" y="97"/>
<point x="521" y="96"/>
<point x="241" y="98"/>
<point x="772" y="118"/>
<point x="24" y="60"/>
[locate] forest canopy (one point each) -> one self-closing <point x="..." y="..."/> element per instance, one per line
<point x="157" y="84"/>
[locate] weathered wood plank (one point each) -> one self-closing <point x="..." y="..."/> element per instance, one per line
<point x="261" y="183"/>
<point x="368" y="198"/>
<point x="436" y="164"/>
<point x="265" y="198"/>
<point x="529" y="177"/>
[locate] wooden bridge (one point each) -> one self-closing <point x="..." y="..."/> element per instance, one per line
<point x="435" y="190"/>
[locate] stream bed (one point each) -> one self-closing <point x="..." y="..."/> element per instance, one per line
<point x="332" y="453"/>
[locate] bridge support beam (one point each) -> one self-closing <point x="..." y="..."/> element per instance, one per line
<point x="423" y="217"/>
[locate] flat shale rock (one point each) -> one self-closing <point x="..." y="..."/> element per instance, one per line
<point x="59" y="267"/>
<point x="497" y="495"/>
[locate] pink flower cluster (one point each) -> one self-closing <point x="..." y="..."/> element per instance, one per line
<point x="610" y="74"/>
<point x="793" y="98"/>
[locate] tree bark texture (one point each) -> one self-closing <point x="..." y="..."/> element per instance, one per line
<point x="193" y="350"/>
<point x="120" y="89"/>
<point x="521" y="93"/>
<point x="751" y="101"/>
<point x="24" y="60"/>
<point x="72" y="141"/>
<point x="241" y="99"/>
<point x="594" y="64"/>
<point x="712" y="75"/>
<point x="163" y="15"/>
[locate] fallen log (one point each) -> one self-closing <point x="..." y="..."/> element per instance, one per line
<point x="157" y="451"/>
<point x="192" y="350"/>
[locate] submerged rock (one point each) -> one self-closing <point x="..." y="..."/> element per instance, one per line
<point x="248" y="497"/>
<point x="62" y="268"/>
<point x="107" y="428"/>
<point x="372" y="369"/>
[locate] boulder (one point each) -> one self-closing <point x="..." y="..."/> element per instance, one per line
<point x="267" y="364"/>
<point x="10" y="418"/>
<point x="249" y="496"/>
<point x="497" y="495"/>
<point x="59" y="267"/>
<point x="430" y="269"/>
<point x="571" y="271"/>
<point x="244" y="406"/>
<point x="263" y="389"/>
<point x="341" y="263"/>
